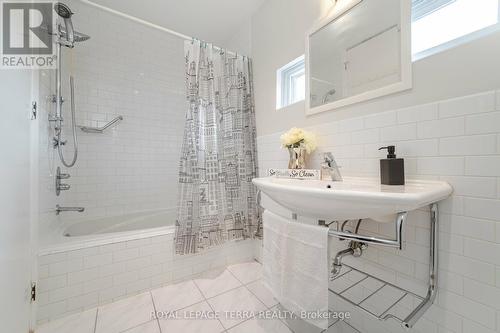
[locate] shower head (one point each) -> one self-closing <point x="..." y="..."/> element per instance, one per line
<point x="63" y="10"/>
<point x="65" y="13"/>
<point x="328" y="94"/>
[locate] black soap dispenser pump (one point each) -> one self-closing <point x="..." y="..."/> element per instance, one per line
<point x="392" y="169"/>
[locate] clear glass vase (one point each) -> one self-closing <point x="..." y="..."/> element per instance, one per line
<point x="297" y="158"/>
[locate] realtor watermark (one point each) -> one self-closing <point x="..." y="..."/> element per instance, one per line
<point x="27" y="42"/>
<point x="244" y="315"/>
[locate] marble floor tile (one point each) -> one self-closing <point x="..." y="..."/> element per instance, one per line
<point x="247" y="272"/>
<point x="176" y="296"/>
<point x="83" y="322"/>
<point x="125" y="314"/>
<point x="198" y="318"/>
<point x="262" y="292"/>
<point x="150" y="327"/>
<point x="235" y="306"/>
<point x="341" y="327"/>
<point x="215" y="282"/>
<point x="261" y="326"/>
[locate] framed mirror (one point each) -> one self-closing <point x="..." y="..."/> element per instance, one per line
<point x="361" y="51"/>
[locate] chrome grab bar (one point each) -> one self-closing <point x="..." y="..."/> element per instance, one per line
<point x="100" y="130"/>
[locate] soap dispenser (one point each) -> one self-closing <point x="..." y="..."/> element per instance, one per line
<point x="392" y="169"/>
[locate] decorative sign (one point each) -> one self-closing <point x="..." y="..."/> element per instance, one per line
<point x="294" y="173"/>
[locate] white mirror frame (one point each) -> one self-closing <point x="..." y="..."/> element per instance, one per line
<point x="406" y="63"/>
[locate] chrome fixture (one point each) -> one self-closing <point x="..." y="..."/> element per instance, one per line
<point x="331" y="165"/>
<point x="101" y="130"/>
<point x="78" y="37"/>
<point x="64" y="36"/>
<point x="327" y="95"/>
<point x="60" y="186"/>
<point x="65" y="13"/>
<point x="397" y="242"/>
<point x="355" y="249"/>
<point x="60" y="209"/>
<point x="259" y="233"/>
<point x="409" y="319"/>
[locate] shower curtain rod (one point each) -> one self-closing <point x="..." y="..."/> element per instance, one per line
<point x="149" y="24"/>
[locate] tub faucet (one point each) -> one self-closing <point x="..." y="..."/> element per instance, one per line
<point x="60" y="209"/>
<point x="331" y="165"/>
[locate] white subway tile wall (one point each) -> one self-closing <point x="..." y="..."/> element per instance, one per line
<point x="454" y="140"/>
<point x="135" y="71"/>
<point x="47" y="199"/>
<point x="74" y="281"/>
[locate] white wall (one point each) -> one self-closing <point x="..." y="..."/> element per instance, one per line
<point x="455" y="140"/>
<point x="278" y="36"/>
<point x="125" y="69"/>
<point x="241" y="41"/>
<point x="47" y="160"/>
<point x="16" y="228"/>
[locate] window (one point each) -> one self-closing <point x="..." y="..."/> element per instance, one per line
<point x="441" y="24"/>
<point x="291" y="83"/>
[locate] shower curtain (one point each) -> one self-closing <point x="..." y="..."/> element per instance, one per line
<point x="218" y="159"/>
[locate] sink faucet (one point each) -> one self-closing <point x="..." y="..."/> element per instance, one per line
<point x="331" y="165"/>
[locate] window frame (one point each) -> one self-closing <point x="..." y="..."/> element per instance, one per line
<point x="284" y="82"/>
<point x="458" y="41"/>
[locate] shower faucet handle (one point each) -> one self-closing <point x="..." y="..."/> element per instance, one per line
<point x="60" y="186"/>
<point x="64" y="176"/>
<point x="57" y="142"/>
<point x="64" y="187"/>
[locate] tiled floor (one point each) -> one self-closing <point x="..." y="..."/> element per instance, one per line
<point x="237" y="288"/>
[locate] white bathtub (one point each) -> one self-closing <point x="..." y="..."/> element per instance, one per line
<point x="130" y="222"/>
<point x="108" y="230"/>
<point x="107" y="259"/>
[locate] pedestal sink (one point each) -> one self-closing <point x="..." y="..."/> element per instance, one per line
<point x="353" y="198"/>
<point x="364" y="198"/>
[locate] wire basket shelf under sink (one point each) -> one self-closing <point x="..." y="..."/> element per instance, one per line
<point x="378" y="298"/>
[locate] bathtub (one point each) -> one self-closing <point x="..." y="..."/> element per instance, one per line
<point x="94" y="262"/>
<point x="124" y="223"/>
<point x="107" y="230"/>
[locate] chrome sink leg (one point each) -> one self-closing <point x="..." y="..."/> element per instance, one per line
<point x="416" y="314"/>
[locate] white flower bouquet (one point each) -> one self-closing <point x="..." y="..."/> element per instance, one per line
<point x="297" y="138"/>
<point x="299" y="144"/>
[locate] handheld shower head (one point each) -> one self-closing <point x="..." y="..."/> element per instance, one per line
<point x="65" y="13"/>
<point x="62" y="10"/>
<point x="328" y="94"/>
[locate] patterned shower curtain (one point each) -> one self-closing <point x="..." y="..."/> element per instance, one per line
<point x="218" y="159"/>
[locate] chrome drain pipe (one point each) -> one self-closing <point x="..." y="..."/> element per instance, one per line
<point x="355" y="249"/>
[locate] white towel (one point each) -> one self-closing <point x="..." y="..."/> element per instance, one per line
<point x="295" y="259"/>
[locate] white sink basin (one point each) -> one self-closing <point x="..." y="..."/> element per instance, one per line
<point x="354" y="198"/>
